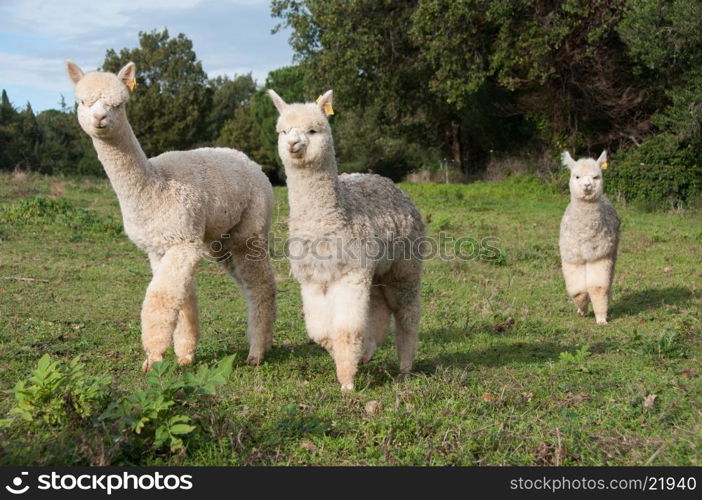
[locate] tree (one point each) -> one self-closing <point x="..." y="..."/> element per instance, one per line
<point x="242" y="132"/>
<point x="8" y="133"/>
<point x="664" y="39"/>
<point x="228" y="95"/>
<point x="65" y="148"/>
<point x="420" y="69"/>
<point x="30" y="139"/>
<point x="169" y="108"/>
<point x="363" y="51"/>
<point x="458" y="74"/>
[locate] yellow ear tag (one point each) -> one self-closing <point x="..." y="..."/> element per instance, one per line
<point x="328" y="110"/>
<point x="131" y="84"/>
<point x="603" y="165"/>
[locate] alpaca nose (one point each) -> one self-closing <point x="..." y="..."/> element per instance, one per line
<point x="295" y="144"/>
<point x="99" y="117"/>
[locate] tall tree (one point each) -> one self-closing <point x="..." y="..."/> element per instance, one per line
<point x="9" y="133"/>
<point x="458" y="73"/>
<point x="228" y="95"/>
<point x="664" y="38"/>
<point x="382" y="62"/>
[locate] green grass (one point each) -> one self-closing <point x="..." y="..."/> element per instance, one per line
<point x="506" y="373"/>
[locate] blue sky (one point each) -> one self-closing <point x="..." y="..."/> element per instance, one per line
<point x="37" y="36"/>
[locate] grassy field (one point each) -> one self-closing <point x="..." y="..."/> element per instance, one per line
<point x="506" y="374"/>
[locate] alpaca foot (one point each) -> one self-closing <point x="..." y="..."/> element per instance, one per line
<point x="581" y="303"/>
<point x="601" y="321"/>
<point x="185" y="360"/>
<point x="150" y="360"/>
<point x="254" y="359"/>
<point x="368" y="352"/>
<point x="346" y="388"/>
<point x="405" y="369"/>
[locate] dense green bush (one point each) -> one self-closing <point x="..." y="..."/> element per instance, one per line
<point x="660" y="172"/>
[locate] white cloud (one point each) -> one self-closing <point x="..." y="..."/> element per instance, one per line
<point x="38" y="72"/>
<point x="69" y="20"/>
<point x="37" y="36"/>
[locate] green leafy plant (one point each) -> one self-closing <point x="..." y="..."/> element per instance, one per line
<point x="158" y="412"/>
<point x="577" y="359"/>
<point x="667" y="345"/>
<point x="54" y="394"/>
<point x="58" y="394"/>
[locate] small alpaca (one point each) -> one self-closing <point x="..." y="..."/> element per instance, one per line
<point x="589" y="237"/>
<point x="179" y="207"/>
<point x="353" y="245"/>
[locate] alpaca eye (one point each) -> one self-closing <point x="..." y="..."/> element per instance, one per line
<point x="577" y="177"/>
<point x="596" y="177"/>
<point x="313" y="131"/>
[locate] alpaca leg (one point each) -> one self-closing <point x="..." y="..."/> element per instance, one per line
<point x="402" y="296"/>
<point x="599" y="276"/>
<point x="318" y="310"/>
<point x="347" y="348"/>
<point x="350" y="298"/>
<point x="405" y="304"/>
<point x="378" y="323"/>
<point x="255" y="276"/>
<point x="576" y="285"/>
<point x="407" y="334"/>
<point x="165" y="297"/>
<point x="187" y="331"/>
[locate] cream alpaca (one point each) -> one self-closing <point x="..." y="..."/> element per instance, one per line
<point x="353" y="246"/>
<point x="589" y="237"/>
<point x="180" y="207"/>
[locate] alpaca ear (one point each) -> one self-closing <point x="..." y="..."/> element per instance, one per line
<point x="128" y="75"/>
<point x="74" y="72"/>
<point x="567" y="161"/>
<point x="325" y="102"/>
<point x="278" y="101"/>
<point x="602" y="160"/>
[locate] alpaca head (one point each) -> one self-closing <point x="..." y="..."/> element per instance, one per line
<point x="101" y="97"/>
<point x="304" y="134"/>
<point x="585" y="176"/>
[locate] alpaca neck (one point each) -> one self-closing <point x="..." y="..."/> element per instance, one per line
<point x="125" y="163"/>
<point x="314" y="193"/>
<point x="592" y="205"/>
<point x="590" y="211"/>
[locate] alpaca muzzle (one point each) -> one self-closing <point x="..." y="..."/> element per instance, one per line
<point x="296" y="147"/>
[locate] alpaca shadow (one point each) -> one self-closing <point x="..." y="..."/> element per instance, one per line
<point x="516" y="353"/>
<point x="385" y="371"/>
<point x="276" y="353"/>
<point x="646" y="300"/>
